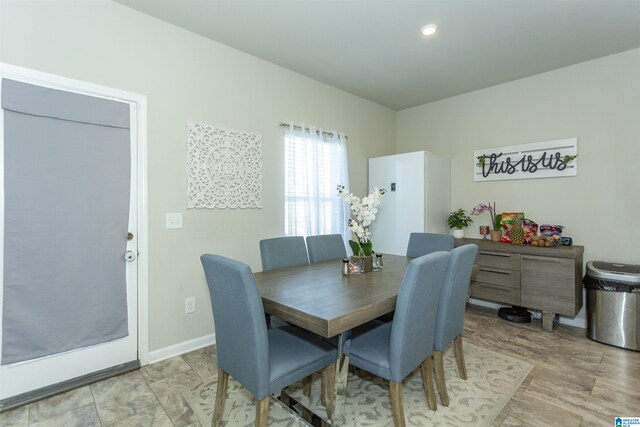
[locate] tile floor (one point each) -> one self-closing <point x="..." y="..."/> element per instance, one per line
<point x="575" y="382"/>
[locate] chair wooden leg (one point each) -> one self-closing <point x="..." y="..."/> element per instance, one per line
<point x="323" y="389"/>
<point x="306" y="385"/>
<point x="307" y="415"/>
<point x="440" y="380"/>
<point x="221" y="395"/>
<point x="395" y="390"/>
<point x="285" y="399"/>
<point x="427" y="380"/>
<point x="462" y="367"/>
<point x="361" y="373"/>
<point x="262" y="412"/>
<point x="267" y="318"/>
<point x="328" y="380"/>
<point x="306" y="390"/>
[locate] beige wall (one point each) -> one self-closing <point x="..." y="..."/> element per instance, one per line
<point x="596" y="101"/>
<point x="189" y="78"/>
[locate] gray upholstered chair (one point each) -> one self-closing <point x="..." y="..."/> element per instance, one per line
<point x="394" y="350"/>
<point x="450" y="319"/>
<point x="421" y="244"/>
<point x="281" y="252"/>
<point x="424" y="243"/>
<point x="325" y="247"/>
<point x="262" y="360"/>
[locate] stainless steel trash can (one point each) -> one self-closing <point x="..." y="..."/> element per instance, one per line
<point x="613" y="303"/>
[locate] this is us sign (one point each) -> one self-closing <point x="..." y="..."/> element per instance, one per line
<point x="536" y="160"/>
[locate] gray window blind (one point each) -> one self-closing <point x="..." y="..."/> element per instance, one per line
<point x="67" y="179"/>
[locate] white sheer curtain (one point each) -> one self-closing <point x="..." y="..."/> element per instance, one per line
<point x="315" y="164"/>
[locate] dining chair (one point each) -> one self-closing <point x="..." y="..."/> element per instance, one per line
<point x="262" y="360"/>
<point x="326" y="247"/>
<point x="393" y="350"/>
<point x="425" y="243"/>
<point x="281" y="252"/>
<point x="450" y="318"/>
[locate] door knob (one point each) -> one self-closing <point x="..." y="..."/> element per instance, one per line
<point x="129" y="256"/>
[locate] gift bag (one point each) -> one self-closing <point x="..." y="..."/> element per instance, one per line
<point x="551" y="230"/>
<point x="530" y="230"/>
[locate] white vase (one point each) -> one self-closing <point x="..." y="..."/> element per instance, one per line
<point x="458" y="233"/>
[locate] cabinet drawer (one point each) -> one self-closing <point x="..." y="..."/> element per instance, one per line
<point x="550" y="284"/>
<point x="498" y="276"/>
<point x="498" y="260"/>
<point x="497" y="293"/>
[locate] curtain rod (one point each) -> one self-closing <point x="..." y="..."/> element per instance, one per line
<point x="285" y="125"/>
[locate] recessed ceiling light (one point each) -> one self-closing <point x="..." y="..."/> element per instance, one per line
<point x="429" y="30"/>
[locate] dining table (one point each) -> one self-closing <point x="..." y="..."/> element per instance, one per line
<point x="320" y="299"/>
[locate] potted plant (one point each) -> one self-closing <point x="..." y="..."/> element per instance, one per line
<point x="496" y="233"/>
<point x="363" y="213"/>
<point x="496" y="219"/>
<point x="457" y="221"/>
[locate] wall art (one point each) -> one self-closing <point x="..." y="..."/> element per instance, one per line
<point x="547" y="159"/>
<point x="224" y="168"/>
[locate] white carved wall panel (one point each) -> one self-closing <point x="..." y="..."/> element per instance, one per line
<point x="224" y="168"/>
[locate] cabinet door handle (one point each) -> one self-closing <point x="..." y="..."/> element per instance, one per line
<point x="494" y="254"/>
<point x="547" y="260"/>
<point x="497" y="288"/>
<point x="488" y="270"/>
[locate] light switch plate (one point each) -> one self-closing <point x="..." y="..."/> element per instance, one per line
<point x="174" y="220"/>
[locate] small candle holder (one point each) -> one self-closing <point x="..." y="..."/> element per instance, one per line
<point x="484" y="231"/>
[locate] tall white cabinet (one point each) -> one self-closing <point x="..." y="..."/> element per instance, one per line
<point x="417" y="198"/>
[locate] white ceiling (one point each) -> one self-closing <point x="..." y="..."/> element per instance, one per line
<point x="372" y="48"/>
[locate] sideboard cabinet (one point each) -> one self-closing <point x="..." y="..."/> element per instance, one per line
<point x="545" y="279"/>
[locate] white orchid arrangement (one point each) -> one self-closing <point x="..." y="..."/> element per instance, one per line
<point x="363" y="213"/>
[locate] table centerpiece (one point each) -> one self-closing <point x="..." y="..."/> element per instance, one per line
<point x="363" y="213"/>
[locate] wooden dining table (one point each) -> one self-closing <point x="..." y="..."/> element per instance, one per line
<point x="318" y="298"/>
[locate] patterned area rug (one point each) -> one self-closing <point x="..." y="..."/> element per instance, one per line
<point x="492" y="379"/>
<point x="239" y="408"/>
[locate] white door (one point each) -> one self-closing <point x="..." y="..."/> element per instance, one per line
<point x="27" y="376"/>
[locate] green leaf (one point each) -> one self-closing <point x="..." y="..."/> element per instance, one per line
<point x="355" y="247"/>
<point x="498" y="224"/>
<point x="367" y="248"/>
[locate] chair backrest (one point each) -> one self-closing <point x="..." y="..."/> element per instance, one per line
<point x="450" y="319"/>
<point x="425" y="243"/>
<point x="325" y="247"/>
<point x="413" y="325"/>
<point x="242" y="344"/>
<point x="281" y="252"/>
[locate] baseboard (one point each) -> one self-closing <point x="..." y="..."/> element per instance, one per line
<point x="181" y="348"/>
<point x="578" y="322"/>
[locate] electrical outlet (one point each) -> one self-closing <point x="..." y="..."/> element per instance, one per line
<point x="189" y="305"/>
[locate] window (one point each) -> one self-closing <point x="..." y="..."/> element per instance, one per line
<point x="315" y="164"/>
